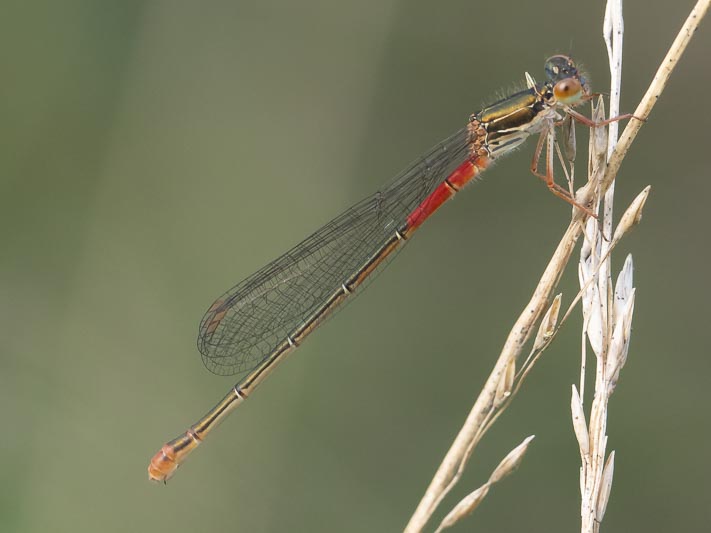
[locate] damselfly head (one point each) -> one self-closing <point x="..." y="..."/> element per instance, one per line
<point x="568" y="84"/>
<point x="560" y="67"/>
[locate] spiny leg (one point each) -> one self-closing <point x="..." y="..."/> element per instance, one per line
<point x="548" y="178"/>
<point x="592" y="124"/>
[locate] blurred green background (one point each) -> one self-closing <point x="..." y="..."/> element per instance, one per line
<point x="155" y="153"/>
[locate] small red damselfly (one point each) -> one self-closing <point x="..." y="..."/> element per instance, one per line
<point x="252" y="327"/>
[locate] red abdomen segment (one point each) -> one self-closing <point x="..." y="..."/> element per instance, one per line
<point x="462" y="175"/>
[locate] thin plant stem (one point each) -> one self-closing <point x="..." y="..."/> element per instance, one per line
<point x="487" y="405"/>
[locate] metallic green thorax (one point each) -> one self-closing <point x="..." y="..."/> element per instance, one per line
<point x="510" y="121"/>
<point x="515" y="111"/>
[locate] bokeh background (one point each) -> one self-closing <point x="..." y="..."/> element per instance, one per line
<point x="155" y="153"/>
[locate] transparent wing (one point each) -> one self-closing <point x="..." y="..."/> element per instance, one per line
<point x="247" y="323"/>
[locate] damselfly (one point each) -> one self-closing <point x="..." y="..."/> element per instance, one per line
<point x="254" y="325"/>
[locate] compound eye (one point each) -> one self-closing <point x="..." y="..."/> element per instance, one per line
<point x="568" y="91"/>
<point x="558" y="67"/>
